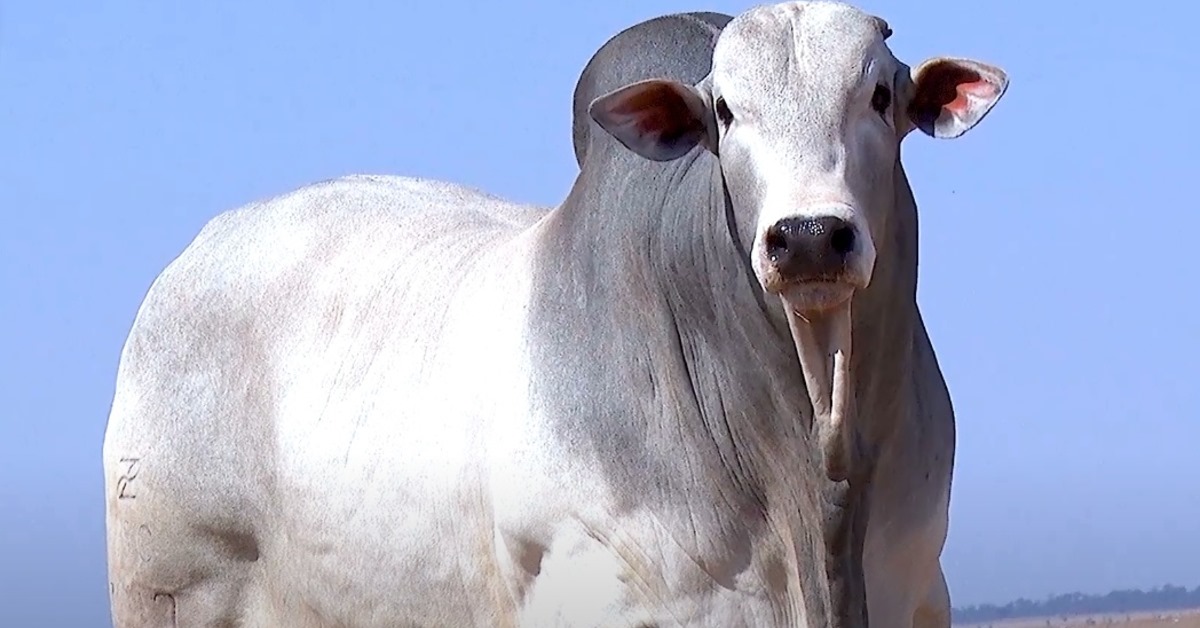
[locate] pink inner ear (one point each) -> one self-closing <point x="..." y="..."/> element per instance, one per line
<point x="979" y="89"/>
<point x="649" y="107"/>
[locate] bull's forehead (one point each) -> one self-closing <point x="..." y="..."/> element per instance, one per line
<point x="789" y="52"/>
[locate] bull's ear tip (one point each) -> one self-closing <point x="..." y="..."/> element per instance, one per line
<point x="952" y="95"/>
<point x="600" y="109"/>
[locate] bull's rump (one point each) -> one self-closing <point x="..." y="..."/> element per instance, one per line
<point x="304" y="403"/>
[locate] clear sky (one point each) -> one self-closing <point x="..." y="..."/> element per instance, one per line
<point x="1058" y="267"/>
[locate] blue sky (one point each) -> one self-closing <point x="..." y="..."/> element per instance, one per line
<point x="1058" y="268"/>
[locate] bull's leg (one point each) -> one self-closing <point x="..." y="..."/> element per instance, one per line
<point x="211" y="603"/>
<point x="135" y="605"/>
<point x="934" y="610"/>
<point x="167" y="568"/>
<point x="176" y="585"/>
<point x="162" y="593"/>
<point x="845" y="530"/>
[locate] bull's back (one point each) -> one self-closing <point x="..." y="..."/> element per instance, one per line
<point x="270" y="437"/>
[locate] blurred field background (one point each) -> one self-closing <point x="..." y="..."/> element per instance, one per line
<point x="1165" y="619"/>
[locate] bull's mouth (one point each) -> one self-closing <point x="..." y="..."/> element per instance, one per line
<point x="810" y="298"/>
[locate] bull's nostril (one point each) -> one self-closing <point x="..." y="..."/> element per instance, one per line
<point x="776" y="242"/>
<point x="842" y="240"/>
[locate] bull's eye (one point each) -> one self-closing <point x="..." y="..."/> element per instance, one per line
<point x="723" y="112"/>
<point x="881" y="99"/>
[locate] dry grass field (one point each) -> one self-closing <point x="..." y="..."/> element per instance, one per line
<point x="1161" y="619"/>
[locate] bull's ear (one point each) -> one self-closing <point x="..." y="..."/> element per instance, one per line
<point x="658" y="119"/>
<point x="951" y="95"/>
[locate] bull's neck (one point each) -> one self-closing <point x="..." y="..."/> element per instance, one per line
<point x="667" y="234"/>
<point x="660" y="359"/>
<point x="885" y="321"/>
<point x="647" y="251"/>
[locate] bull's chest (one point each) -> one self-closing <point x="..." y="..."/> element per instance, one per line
<point x="648" y="568"/>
